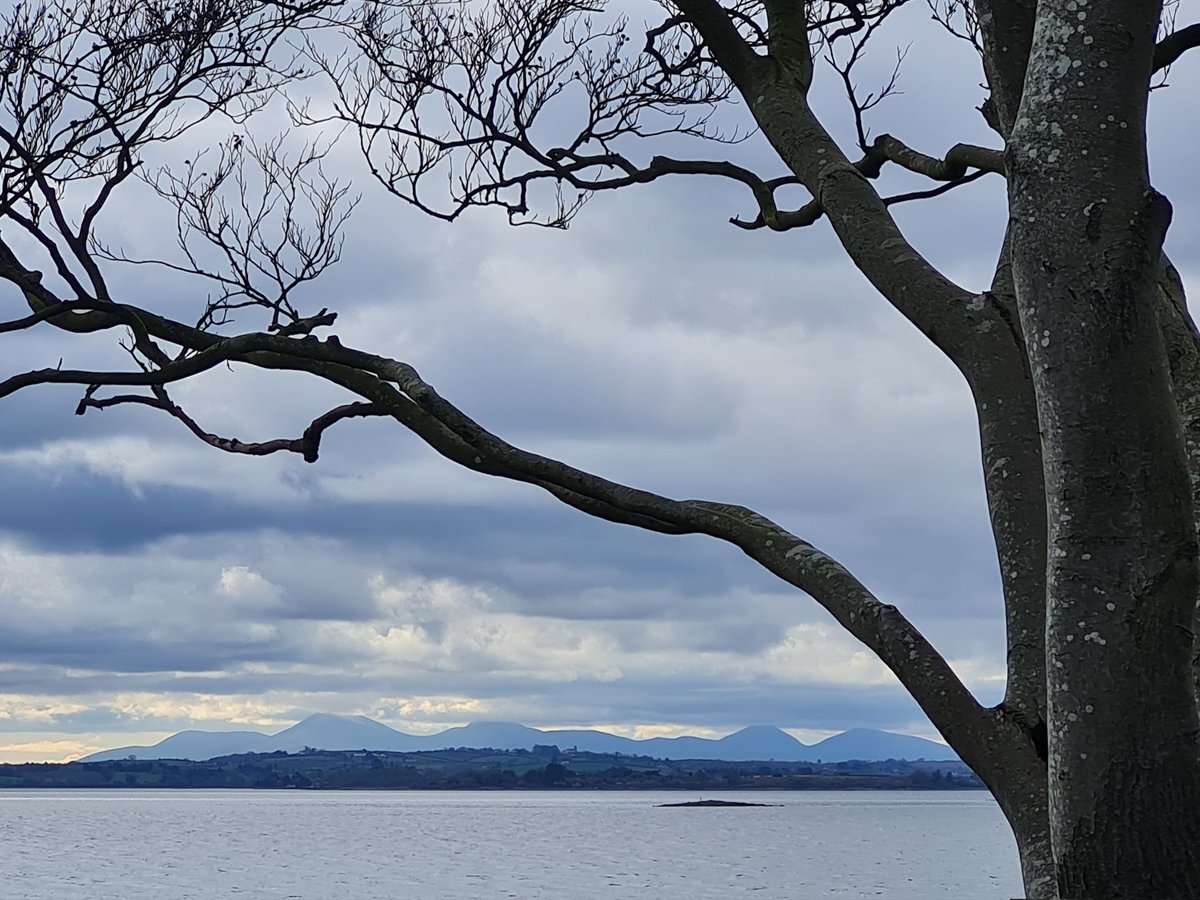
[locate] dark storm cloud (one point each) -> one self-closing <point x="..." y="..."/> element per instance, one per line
<point x="77" y="510"/>
<point x="58" y="682"/>
<point x="558" y="562"/>
<point x="132" y="651"/>
<point x="541" y="550"/>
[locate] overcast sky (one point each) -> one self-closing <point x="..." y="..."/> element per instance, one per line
<point x="150" y="583"/>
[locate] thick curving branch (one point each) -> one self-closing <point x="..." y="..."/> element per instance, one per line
<point x="880" y="626"/>
<point x="394" y="388"/>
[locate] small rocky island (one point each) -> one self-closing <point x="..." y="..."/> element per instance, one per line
<point x="716" y="803"/>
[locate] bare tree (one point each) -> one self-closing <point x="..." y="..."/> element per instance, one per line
<point x="1080" y="354"/>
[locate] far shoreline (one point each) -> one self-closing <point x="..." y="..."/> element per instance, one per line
<point x="487" y="769"/>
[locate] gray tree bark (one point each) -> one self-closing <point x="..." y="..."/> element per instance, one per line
<point x="1124" y="774"/>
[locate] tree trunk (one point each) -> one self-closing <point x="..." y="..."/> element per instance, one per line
<point x="1037" y="857"/>
<point x="1122" y="582"/>
<point x="1122" y="574"/>
<point x="1020" y="789"/>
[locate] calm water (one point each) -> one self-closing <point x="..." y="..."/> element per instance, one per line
<point x="171" y="845"/>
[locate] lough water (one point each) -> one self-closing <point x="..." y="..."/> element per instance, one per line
<point x="293" y="845"/>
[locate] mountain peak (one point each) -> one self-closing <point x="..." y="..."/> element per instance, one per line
<point x="760" y="730"/>
<point x="869" y="744"/>
<point x="320" y="717"/>
<point x="332" y="718"/>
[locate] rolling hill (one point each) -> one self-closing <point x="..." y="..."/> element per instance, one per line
<point x="331" y="732"/>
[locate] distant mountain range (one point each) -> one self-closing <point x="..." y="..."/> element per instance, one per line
<point x="329" y="732"/>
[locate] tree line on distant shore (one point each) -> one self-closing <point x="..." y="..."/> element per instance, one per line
<point x="486" y="769"/>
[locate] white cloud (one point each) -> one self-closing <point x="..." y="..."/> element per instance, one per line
<point x="37" y="709"/>
<point x="42" y="750"/>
